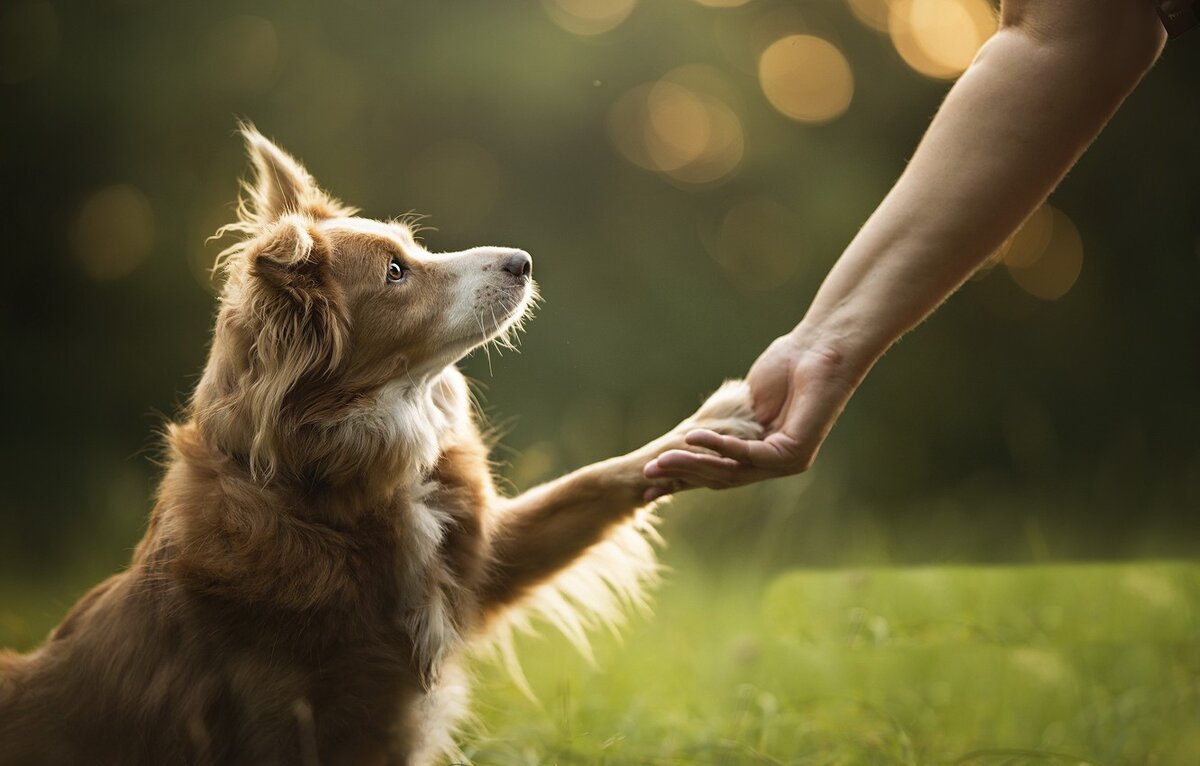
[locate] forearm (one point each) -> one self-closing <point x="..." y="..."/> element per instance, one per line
<point x="1038" y="93"/>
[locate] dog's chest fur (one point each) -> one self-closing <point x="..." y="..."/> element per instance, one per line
<point x="267" y="624"/>
<point x="439" y="567"/>
<point x="424" y="603"/>
<point x="438" y="528"/>
<point x="395" y="643"/>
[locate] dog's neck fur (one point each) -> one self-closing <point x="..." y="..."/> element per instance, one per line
<point x="365" y="447"/>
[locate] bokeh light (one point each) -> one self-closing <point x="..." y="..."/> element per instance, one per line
<point x="1026" y="246"/>
<point x="722" y="3"/>
<point x="873" y="13"/>
<point x="113" y="232"/>
<point x="709" y="80"/>
<point x="742" y="37"/>
<point x="29" y="40"/>
<point x="495" y="121"/>
<point x="939" y="38"/>
<point x="681" y="126"/>
<point x="588" y="17"/>
<point x="806" y="78"/>
<point x="1045" y="256"/>
<point x="757" y="243"/>
<point x="678" y="128"/>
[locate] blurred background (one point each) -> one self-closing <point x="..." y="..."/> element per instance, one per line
<point x="684" y="173"/>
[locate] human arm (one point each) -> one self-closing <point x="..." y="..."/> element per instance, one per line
<point x="1038" y="93"/>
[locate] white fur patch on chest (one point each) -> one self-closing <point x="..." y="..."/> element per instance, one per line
<point x="424" y="611"/>
<point x="408" y="419"/>
<point x="420" y="529"/>
<point x="415" y="419"/>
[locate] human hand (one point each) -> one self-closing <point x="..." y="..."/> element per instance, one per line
<point x="727" y="413"/>
<point x="799" y="390"/>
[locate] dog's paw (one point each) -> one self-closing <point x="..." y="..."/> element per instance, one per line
<point x="729" y="411"/>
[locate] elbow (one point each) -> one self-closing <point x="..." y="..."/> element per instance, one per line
<point x="1120" y="40"/>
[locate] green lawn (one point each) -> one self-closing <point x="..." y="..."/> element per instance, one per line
<point x="1048" y="664"/>
<point x="1062" y="664"/>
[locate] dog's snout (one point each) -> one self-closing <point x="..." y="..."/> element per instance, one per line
<point x="518" y="263"/>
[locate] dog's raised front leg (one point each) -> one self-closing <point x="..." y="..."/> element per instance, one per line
<point x="540" y="532"/>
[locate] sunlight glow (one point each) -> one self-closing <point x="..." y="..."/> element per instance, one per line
<point x="806" y="78"/>
<point x="1045" y="256"/>
<point x="680" y="126"/>
<point x="873" y="13"/>
<point x="1025" y="247"/>
<point x="939" y="38"/>
<point x="113" y="232"/>
<point x="588" y="17"/>
<point x="757" y="243"/>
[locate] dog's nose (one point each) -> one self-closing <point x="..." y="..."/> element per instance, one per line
<point x="519" y="264"/>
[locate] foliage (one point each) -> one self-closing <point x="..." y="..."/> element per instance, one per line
<point x="504" y="122"/>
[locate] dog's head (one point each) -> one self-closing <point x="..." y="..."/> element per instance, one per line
<point x="322" y="309"/>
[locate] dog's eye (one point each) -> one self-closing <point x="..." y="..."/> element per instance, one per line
<point x="396" y="272"/>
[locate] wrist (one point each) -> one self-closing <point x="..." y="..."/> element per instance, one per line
<point x="842" y="352"/>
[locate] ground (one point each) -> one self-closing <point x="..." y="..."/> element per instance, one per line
<point x="1054" y="664"/>
<point x="1047" y="664"/>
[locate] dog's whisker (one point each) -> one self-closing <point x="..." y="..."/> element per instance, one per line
<point x="487" y="347"/>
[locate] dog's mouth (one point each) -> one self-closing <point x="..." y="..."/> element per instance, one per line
<point x="503" y="317"/>
<point x="494" y="293"/>
<point x="496" y="322"/>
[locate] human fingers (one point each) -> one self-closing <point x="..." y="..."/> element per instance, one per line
<point x="712" y="472"/>
<point x="697" y="470"/>
<point x="678" y="457"/>
<point x="775" y="451"/>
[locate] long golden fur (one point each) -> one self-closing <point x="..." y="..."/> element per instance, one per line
<point x="327" y="540"/>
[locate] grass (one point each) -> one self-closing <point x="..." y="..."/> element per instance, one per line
<point x="1057" y="664"/>
<point x="1061" y="664"/>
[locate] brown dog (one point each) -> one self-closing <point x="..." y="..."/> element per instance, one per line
<point x="327" y="539"/>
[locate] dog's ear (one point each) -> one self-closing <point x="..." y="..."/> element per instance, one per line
<point x="291" y="258"/>
<point x="300" y="330"/>
<point x="280" y="185"/>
